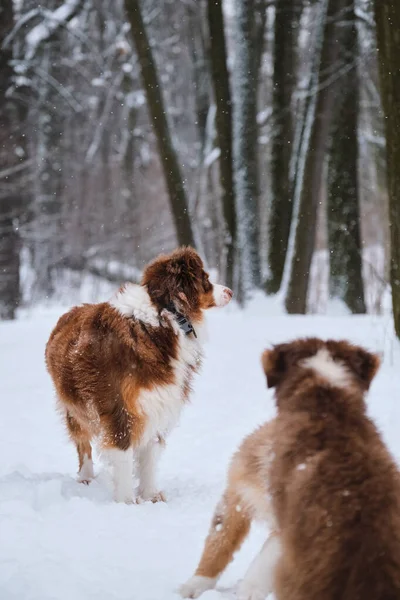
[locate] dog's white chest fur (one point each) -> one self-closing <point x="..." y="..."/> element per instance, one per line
<point x="162" y="404"/>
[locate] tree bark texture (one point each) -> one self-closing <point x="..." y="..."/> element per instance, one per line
<point x="245" y="146"/>
<point x="346" y="281"/>
<point x="10" y="192"/>
<point x="387" y="16"/>
<point x="223" y="118"/>
<point x="310" y="192"/>
<point x="282" y="141"/>
<point x="168" y="154"/>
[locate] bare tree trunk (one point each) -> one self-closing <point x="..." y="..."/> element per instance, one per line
<point x="387" y="15"/>
<point x="260" y="13"/>
<point x="245" y="146"/>
<point x="282" y="141"/>
<point x="310" y="191"/>
<point x="11" y="157"/>
<point x="50" y="181"/>
<point x="344" y="235"/>
<point x="196" y="42"/>
<point x="222" y="94"/>
<point x="173" y="177"/>
<point x="9" y="258"/>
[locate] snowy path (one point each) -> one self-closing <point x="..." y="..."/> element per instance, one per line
<point x="60" y="540"/>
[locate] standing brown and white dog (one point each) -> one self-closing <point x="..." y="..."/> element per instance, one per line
<point x="322" y="478"/>
<point x="123" y="369"/>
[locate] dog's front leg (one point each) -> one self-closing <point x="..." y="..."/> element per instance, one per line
<point x="259" y="579"/>
<point x="229" y="527"/>
<point x="148" y="457"/>
<point x="122" y="465"/>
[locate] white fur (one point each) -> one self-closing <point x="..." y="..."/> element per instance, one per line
<point x="221" y="295"/>
<point x="259" y="579"/>
<point x="122" y="463"/>
<point x="86" y="472"/>
<point x="134" y="301"/>
<point x="258" y="503"/>
<point x="333" y="372"/>
<point x="196" y="586"/>
<point x="148" y="457"/>
<point x="161" y="405"/>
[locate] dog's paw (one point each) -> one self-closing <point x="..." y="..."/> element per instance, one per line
<point x="124" y="497"/>
<point x="86" y="474"/>
<point x="127" y="500"/>
<point x="84" y="481"/>
<point x="153" y="497"/>
<point x="158" y="497"/>
<point x="250" y="590"/>
<point x="196" y="586"/>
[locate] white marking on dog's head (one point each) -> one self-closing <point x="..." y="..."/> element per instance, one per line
<point x="133" y="300"/>
<point x="222" y="295"/>
<point x="335" y="373"/>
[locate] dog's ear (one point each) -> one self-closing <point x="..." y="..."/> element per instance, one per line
<point x="273" y="363"/>
<point x="361" y="362"/>
<point x="365" y="365"/>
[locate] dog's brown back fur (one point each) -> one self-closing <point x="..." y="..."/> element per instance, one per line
<point x="95" y="355"/>
<point x="335" y="487"/>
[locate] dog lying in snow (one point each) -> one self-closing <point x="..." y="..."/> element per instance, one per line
<point x="123" y="369"/>
<point x="322" y="478"/>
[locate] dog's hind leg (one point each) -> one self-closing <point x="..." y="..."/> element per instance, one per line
<point x="229" y="527"/>
<point x="81" y="439"/>
<point x="286" y="585"/>
<point x="259" y="579"/>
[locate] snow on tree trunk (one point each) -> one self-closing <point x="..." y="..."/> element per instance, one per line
<point x="387" y="15"/>
<point x="173" y="177"/>
<point x="282" y="141"/>
<point x="222" y="95"/>
<point x="245" y="146"/>
<point x="346" y="281"/>
<point x="46" y="212"/>
<point x="311" y="161"/>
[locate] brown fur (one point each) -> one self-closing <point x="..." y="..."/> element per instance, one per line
<point x="339" y="517"/>
<point x="100" y="360"/>
<point x="322" y="477"/>
<point x="245" y="499"/>
<point x="182" y="281"/>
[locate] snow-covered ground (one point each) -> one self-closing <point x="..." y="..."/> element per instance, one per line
<point x="60" y="540"/>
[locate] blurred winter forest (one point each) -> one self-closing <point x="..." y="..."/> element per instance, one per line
<point x="251" y="129"/>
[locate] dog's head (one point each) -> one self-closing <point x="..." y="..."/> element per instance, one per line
<point x="339" y="363"/>
<point x="179" y="278"/>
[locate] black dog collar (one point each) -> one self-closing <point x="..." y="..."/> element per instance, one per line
<point x="182" y="321"/>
